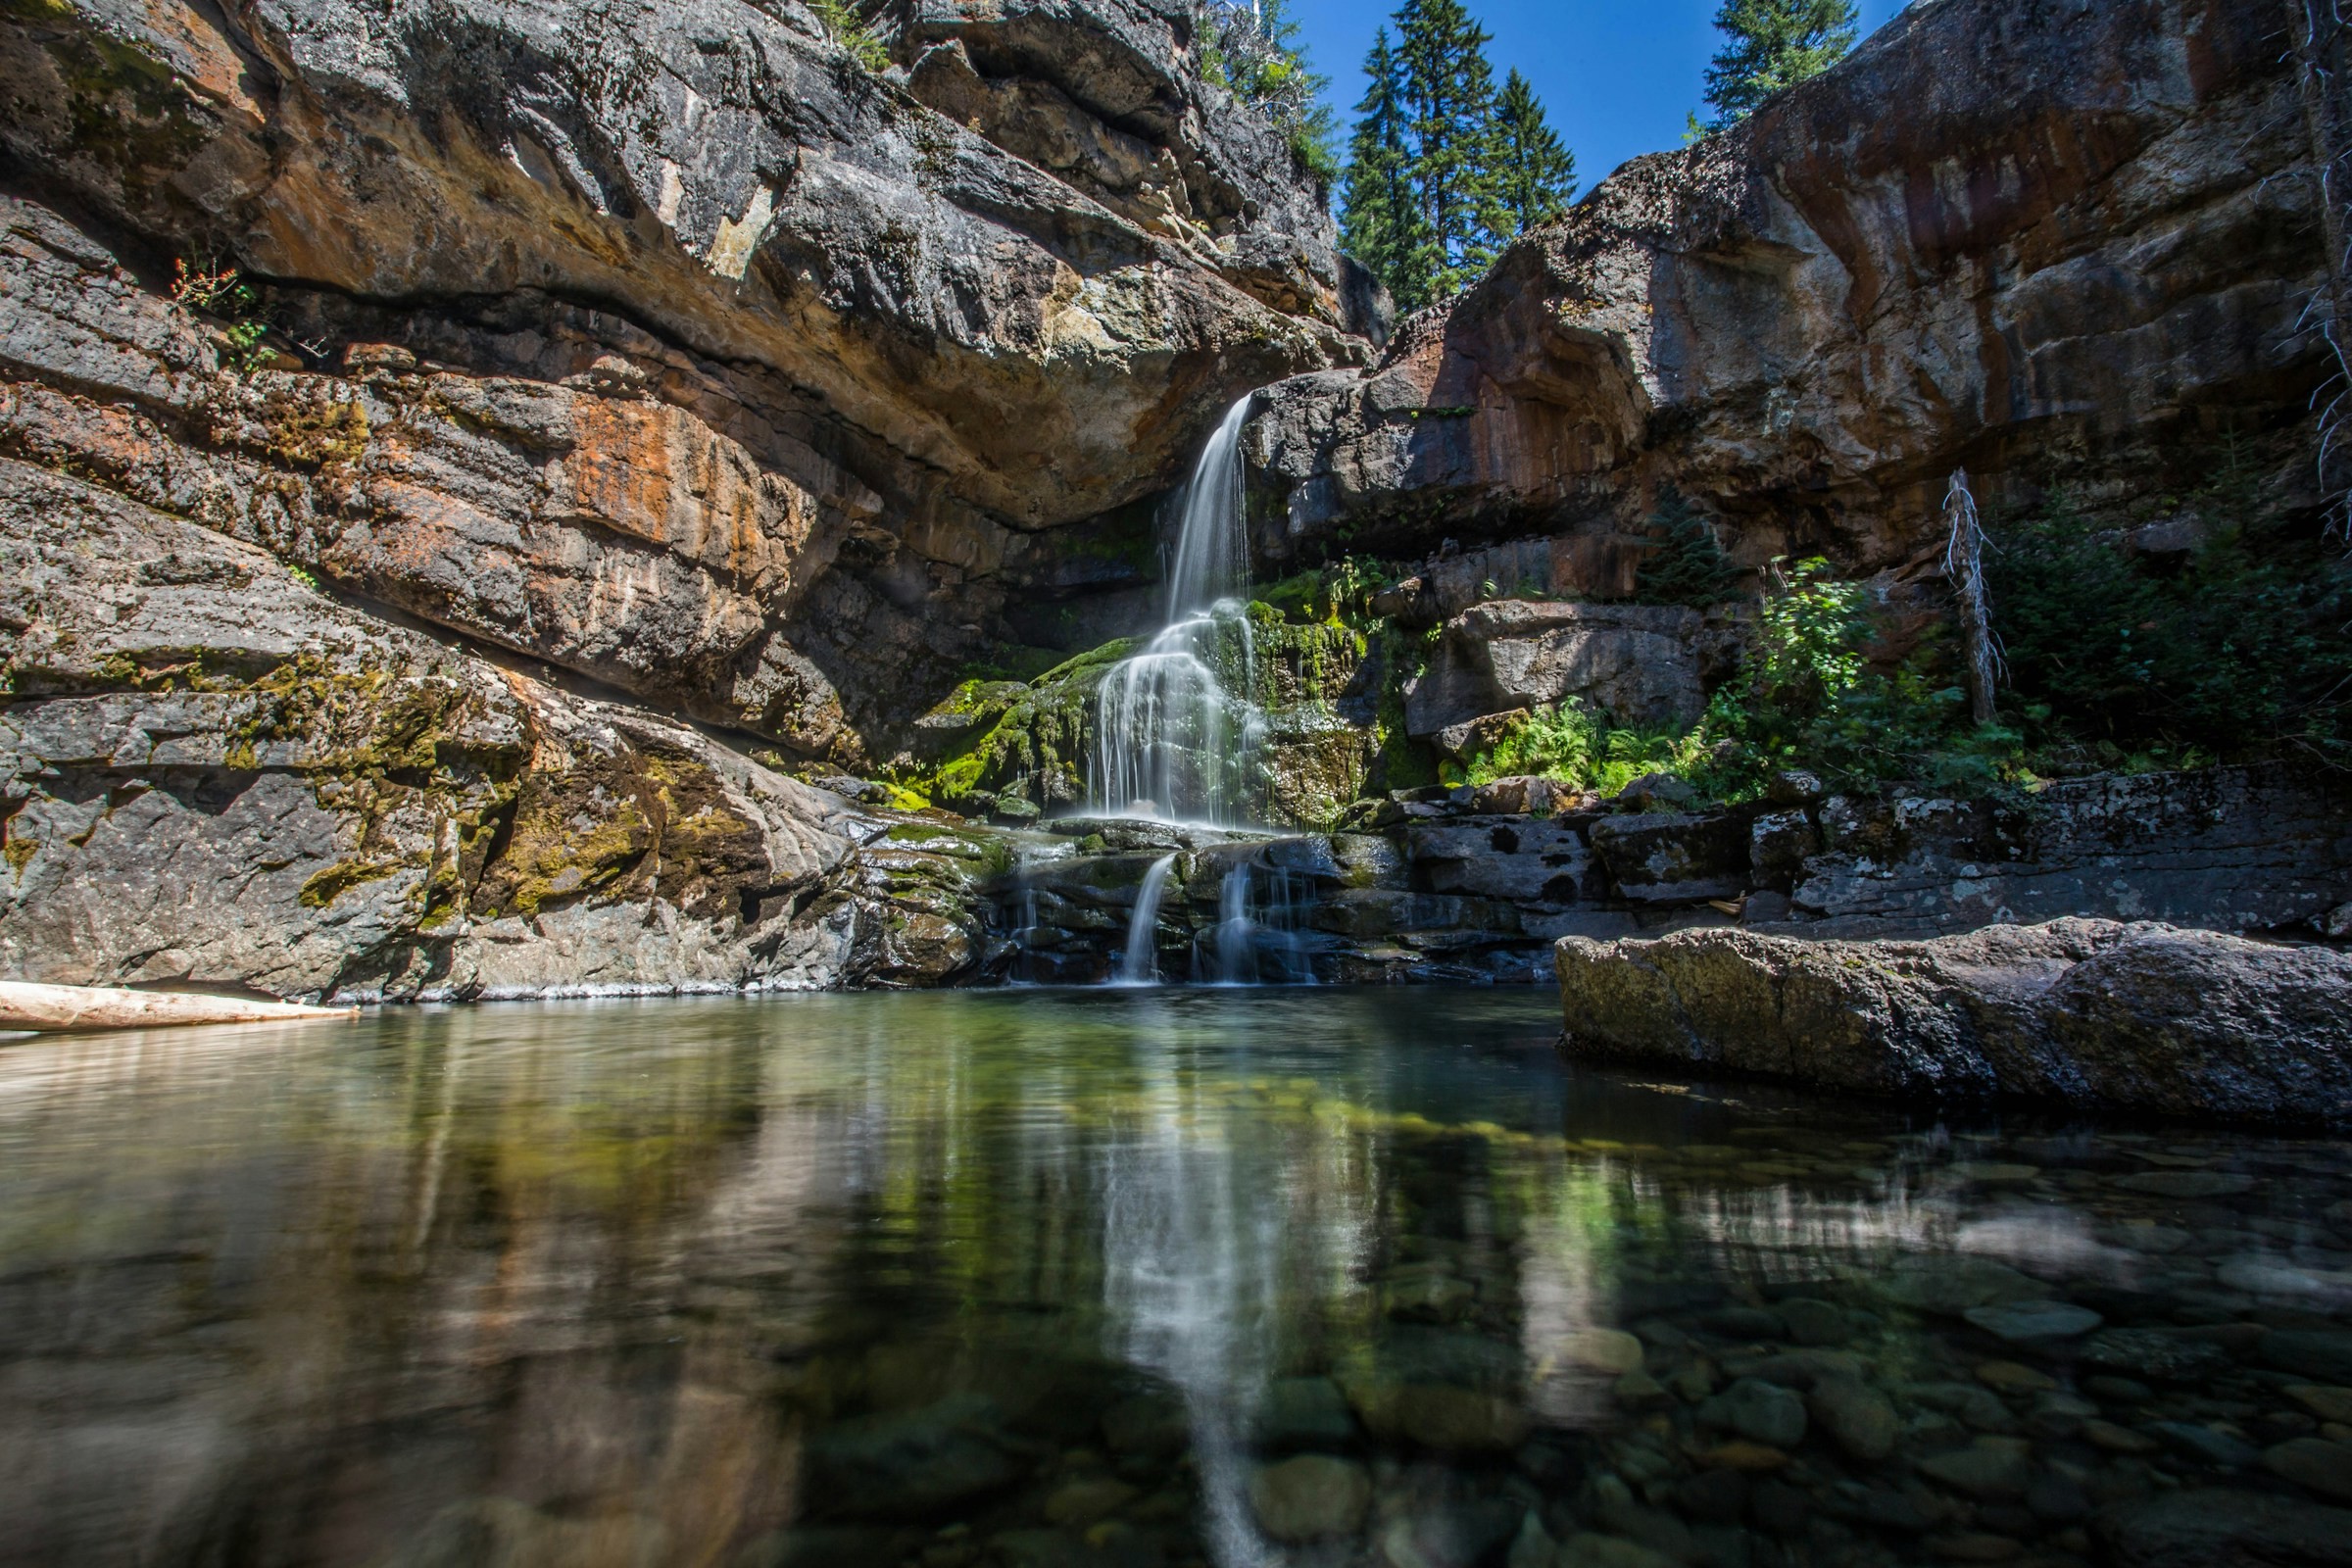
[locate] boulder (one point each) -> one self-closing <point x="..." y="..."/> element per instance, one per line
<point x="1669" y="858"/>
<point x="2090" y="1013"/>
<point x="1636" y="662"/>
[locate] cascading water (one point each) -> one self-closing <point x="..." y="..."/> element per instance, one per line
<point x="1259" y="939"/>
<point x="1138" y="965"/>
<point x="1172" y="738"/>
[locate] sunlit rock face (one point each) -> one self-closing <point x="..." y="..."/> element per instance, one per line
<point x="2042" y="241"/>
<point x="709" y="314"/>
<point x="212" y="772"/>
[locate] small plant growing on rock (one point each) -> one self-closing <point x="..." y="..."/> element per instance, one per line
<point x="848" y="29"/>
<point x="221" y="292"/>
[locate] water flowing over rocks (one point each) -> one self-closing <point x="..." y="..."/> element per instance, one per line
<point x="706" y="310"/>
<point x="2093" y="1014"/>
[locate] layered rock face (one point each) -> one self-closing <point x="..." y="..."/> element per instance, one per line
<point x="215" y="773"/>
<point x="2089" y="1013"/>
<point x="664" y="342"/>
<point x="2042" y="241"/>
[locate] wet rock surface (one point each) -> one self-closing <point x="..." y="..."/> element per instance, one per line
<point x="2094" y="1014"/>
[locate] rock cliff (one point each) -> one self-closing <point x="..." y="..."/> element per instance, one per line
<point x="213" y="772"/>
<point x="2043" y="240"/>
<point x="663" y="341"/>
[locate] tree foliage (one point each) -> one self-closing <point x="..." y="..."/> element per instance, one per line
<point x="1685" y="566"/>
<point x="1533" y="171"/>
<point x="1255" y="51"/>
<point x="1772" y="45"/>
<point x="1442" y="170"/>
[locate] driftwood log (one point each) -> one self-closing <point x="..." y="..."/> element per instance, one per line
<point x="86" y="1007"/>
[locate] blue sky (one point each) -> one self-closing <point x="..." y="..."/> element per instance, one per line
<point x="1616" y="76"/>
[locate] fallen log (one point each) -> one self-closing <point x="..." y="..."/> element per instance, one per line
<point x="51" y="1008"/>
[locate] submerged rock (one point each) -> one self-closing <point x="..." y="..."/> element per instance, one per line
<point x="2090" y="1013"/>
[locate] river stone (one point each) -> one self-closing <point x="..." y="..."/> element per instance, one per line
<point x="1815" y="1323"/>
<point x="1950" y="1287"/>
<point x="2012" y="1377"/>
<point x="919" y="1463"/>
<point x="1611" y="1350"/>
<point x="2115" y="1439"/>
<point x="1149" y="1425"/>
<point x="2022" y="1322"/>
<point x="1087" y="1499"/>
<point x="2328" y="1405"/>
<point x="2096" y="1014"/>
<point x="2225" y="1529"/>
<point x="1589" y="1550"/>
<point x="1304" y="1413"/>
<point x="2186" y="1184"/>
<point x="1311" y="1496"/>
<point x="2323" y="1355"/>
<point x="2153" y="1353"/>
<point x="2204" y="1443"/>
<point x="1761" y="1411"/>
<point x="1989" y="1469"/>
<point x="2314" y="1463"/>
<point x="2271" y="1275"/>
<point x="1858" y="1417"/>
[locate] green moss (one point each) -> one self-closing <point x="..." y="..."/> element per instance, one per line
<point x="19" y="854"/>
<point x="313" y="429"/>
<point x="327" y="886"/>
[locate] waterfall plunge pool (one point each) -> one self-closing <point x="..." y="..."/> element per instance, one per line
<point x="1112" y="1277"/>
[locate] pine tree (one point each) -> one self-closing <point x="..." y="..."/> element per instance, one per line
<point x="1449" y="96"/>
<point x="1774" y="44"/>
<point x="1532" y="173"/>
<point x="1380" y="215"/>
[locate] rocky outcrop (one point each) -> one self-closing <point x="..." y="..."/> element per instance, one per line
<point x="2092" y="1015"/>
<point x="210" y="771"/>
<point x="664" y="342"/>
<point x="2042" y="240"/>
<point x="1639" y="663"/>
<point x="1107" y="96"/>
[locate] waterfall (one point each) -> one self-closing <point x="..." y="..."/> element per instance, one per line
<point x="1172" y="738"/>
<point x="1257" y="939"/>
<point x="1140" y="964"/>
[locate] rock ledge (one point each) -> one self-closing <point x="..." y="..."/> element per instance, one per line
<point x="2093" y="1014"/>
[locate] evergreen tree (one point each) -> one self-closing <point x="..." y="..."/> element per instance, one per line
<point x="1533" y="175"/>
<point x="1449" y="96"/>
<point x="1441" y="171"/>
<point x="1380" y="215"/>
<point x="1772" y="45"/>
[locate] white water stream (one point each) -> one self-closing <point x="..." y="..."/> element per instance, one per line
<point x="1173" y="741"/>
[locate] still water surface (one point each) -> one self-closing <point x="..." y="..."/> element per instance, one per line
<point x="1120" y="1277"/>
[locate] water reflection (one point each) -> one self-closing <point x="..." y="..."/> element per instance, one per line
<point x="1115" y="1277"/>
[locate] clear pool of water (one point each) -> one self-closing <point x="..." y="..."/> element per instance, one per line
<point x="1123" y="1277"/>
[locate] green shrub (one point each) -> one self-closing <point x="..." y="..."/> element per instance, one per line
<point x="2240" y="648"/>
<point x="848" y="30"/>
<point x="1685" y="566"/>
<point x="1582" y="750"/>
<point x="1807" y="698"/>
